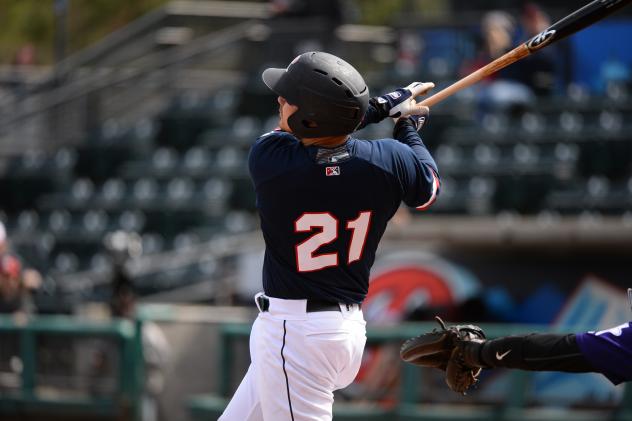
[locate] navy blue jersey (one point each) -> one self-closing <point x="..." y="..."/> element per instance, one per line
<point x="324" y="210"/>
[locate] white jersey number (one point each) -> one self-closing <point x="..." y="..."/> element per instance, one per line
<point x="327" y="224"/>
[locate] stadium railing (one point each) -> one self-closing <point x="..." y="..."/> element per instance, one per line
<point x="52" y="374"/>
<point x="515" y="405"/>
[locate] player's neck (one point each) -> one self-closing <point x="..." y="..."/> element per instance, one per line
<point x="328" y="142"/>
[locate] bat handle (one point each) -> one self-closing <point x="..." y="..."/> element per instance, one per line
<point x="512" y="56"/>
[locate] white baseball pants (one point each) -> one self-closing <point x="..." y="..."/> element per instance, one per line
<point x="297" y="360"/>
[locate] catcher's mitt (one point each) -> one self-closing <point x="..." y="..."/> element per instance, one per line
<point x="443" y="349"/>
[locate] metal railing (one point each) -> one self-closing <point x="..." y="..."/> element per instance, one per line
<point x="409" y="407"/>
<point x="69" y="112"/>
<point x="32" y="397"/>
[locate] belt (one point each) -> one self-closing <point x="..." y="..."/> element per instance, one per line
<point x="321" y="305"/>
<point x="311" y="307"/>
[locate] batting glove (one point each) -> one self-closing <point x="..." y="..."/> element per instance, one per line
<point x="401" y="102"/>
<point x="420" y="117"/>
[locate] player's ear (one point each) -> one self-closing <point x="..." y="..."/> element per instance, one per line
<point x="310" y="124"/>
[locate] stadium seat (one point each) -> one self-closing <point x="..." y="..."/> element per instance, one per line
<point x="65" y="159"/>
<point x="486" y="155"/>
<point x="566" y="152"/>
<point x="525" y="155"/>
<point x="113" y="191"/>
<point x="180" y="190"/>
<point x="59" y="221"/>
<point x="246" y="127"/>
<point x="196" y="160"/>
<point x="216" y="189"/>
<point x="570" y="122"/>
<point x="145" y="190"/>
<point x="448" y="156"/>
<point x="164" y="159"/>
<point x="152" y="243"/>
<point x="185" y="240"/>
<point x="66" y="262"/>
<point x="239" y="221"/>
<point x="270" y="123"/>
<point x="611" y="122"/>
<point x="33" y="161"/>
<point x="95" y="221"/>
<point x="481" y="191"/>
<point x="597" y="188"/>
<point x="131" y="221"/>
<point x="495" y="124"/>
<point x="99" y="261"/>
<point x="28" y="220"/>
<point x="532" y="123"/>
<point x="230" y="157"/>
<point x="82" y="190"/>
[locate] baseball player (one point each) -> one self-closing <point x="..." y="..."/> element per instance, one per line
<point x="462" y="352"/>
<point x="324" y="199"/>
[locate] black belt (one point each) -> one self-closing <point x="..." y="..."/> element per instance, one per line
<point x="312" y="305"/>
<point x="321" y="305"/>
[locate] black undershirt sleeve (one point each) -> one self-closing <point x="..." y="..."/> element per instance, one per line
<point x="374" y="114"/>
<point x="537" y="352"/>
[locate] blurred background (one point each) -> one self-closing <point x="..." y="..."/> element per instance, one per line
<point x="129" y="243"/>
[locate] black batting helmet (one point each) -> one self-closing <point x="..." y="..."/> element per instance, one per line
<point x="330" y="94"/>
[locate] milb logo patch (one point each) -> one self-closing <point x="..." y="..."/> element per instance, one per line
<point x="329" y="171"/>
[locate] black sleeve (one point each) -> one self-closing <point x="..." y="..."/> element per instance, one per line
<point x="374" y="114"/>
<point x="536" y="352"/>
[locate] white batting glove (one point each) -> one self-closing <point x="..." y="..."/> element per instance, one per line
<point x="401" y="102"/>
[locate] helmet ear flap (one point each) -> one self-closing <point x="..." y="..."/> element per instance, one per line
<point x="301" y="125"/>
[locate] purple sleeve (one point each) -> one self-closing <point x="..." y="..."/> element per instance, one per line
<point x="609" y="351"/>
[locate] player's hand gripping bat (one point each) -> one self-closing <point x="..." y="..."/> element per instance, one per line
<point x="576" y="21"/>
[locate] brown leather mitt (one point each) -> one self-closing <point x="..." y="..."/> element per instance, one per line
<point x="443" y="349"/>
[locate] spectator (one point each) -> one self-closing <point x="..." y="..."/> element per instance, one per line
<point x="504" y="89"/>
<point x="537" y="71"/>
<point x="123" y="247"/>
<point x="25" y="56"/>
<point x="17" y="284"/>
<point x="15" y="297"/>
<point x="3" y="239"/>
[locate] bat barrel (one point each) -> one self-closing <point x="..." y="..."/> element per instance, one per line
<point x="576" y="21"/>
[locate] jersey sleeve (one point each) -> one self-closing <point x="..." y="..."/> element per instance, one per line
<point x="270" y="156"/>
<point x="609" y="351"/>
<point x="417" y="170"/>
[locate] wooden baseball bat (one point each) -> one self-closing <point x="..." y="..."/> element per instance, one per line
<point x="576" y="21"/>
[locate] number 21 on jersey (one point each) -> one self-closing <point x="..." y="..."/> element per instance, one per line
<point x="327" y="225"/>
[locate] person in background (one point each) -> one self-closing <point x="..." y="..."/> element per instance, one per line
<point x="123" y="247"/>
<point x="17" y="283"/>
<point x="3" y="239"/>
<point x="537" y="71"/>
<point x="516" y="86"/>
